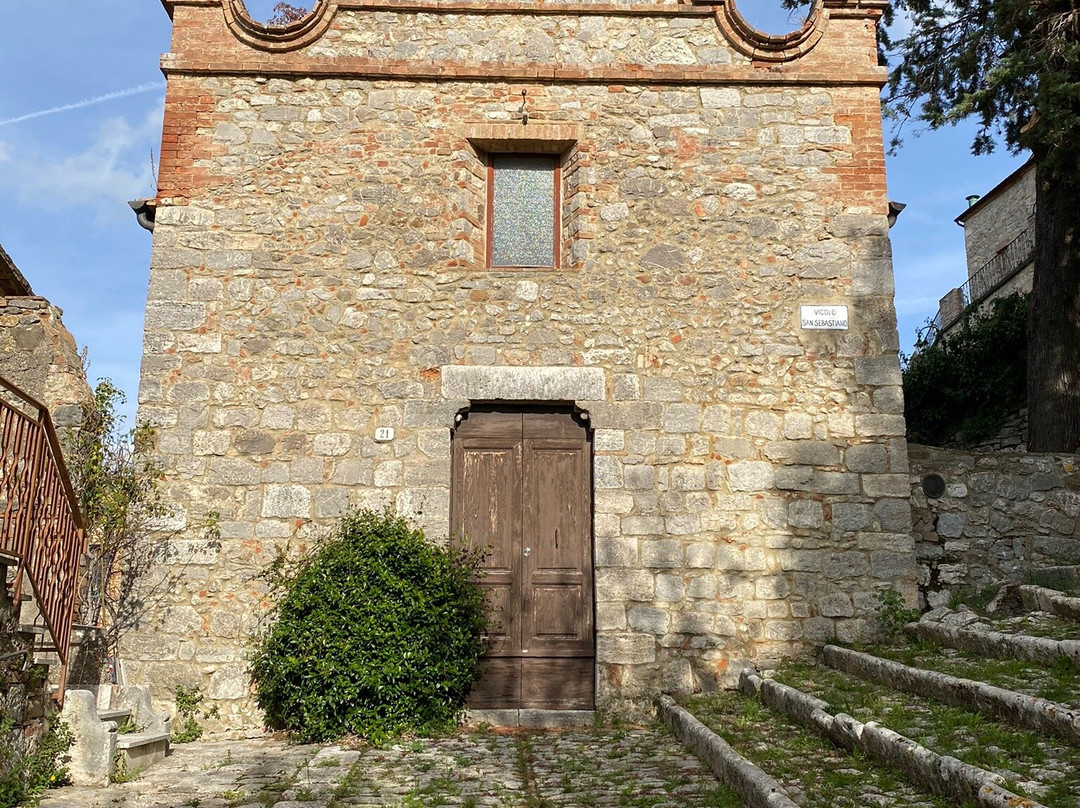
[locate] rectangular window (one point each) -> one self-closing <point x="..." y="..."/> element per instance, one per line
<point x="523" y="210"/>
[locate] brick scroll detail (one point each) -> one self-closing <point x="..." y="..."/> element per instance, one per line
<point x="279" y="39"/>
<point x="762" y="47"/>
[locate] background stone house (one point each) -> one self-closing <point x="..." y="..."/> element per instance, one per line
<point x="999" y="241"/>
<point x="681" y="471"/>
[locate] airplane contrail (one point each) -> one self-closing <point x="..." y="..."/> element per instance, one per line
<point x="87" y="102"/>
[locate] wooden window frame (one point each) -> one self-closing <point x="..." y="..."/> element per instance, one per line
<point x="556" y="160"/>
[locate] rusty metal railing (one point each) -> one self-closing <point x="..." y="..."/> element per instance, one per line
<point x="42" y="524"/>
<point x="1006" y="263"/>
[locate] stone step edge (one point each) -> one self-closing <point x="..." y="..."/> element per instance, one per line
<point x="755" y="787"/>
<point x="117" y="715"/>
<point x="1020" y="709"/>
<point x="132" y="740"/>
<point x="940" y="774"/>
<point x="1042" y="599"/>
<point x="995" y="644"/>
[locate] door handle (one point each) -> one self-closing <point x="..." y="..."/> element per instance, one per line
<point x="556" y="538"/>
<point x="528" y="550"/>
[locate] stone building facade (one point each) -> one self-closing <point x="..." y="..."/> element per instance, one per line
<point x="321" y="275"/>
<point x="999" y="243"/>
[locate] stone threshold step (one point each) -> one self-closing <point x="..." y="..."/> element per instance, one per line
<point x="941" y="774"/>
<point x="994" y="644"/>
<point x="141" y="749"/>
<point x="133" y="740"/>
<point x="1018" y="709"/>
<point x="537" y="719"/>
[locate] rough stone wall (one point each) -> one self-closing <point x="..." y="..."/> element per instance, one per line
<point x="40" y="356"/>
<point x="999" y="221"/>
<point x="1013" y="434"/>
<point x="318" y="271"/>
<point x="24" y="696"/>
<point x="1003" y="516"/>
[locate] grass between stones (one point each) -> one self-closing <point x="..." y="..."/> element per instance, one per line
<point x="1058" y="682"/>
<point x="1034" y="766"/>
<point x="1060" y="581"/>
<point x="1036" y="624"/>
<point x="630" y="768"/>
<point x="815" y="773"/>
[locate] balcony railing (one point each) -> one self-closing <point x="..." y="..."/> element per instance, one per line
<point x="42" y="526"/>
<point x="1006" y="263"/>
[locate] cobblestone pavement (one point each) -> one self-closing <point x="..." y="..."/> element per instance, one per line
<point x="638" y="768"/>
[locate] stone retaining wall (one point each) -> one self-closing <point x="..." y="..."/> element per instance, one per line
<point x="1003" y="516"/>
<point x="24" y="696"/>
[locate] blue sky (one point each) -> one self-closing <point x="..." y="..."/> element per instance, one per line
<point x="66" y="175"/>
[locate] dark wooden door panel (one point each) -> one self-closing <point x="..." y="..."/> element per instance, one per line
<point x="557" y="614"/>
<point x="487" y="509"/>
<point x="498" y="685"/>
<point x="522" y="489"/>
<point x="557" y="586"/>
<point x="558" y="684"/>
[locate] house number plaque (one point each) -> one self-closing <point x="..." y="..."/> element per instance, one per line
<point x="384" y="434"/>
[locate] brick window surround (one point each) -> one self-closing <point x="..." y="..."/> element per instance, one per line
<point x="562" y="142"/>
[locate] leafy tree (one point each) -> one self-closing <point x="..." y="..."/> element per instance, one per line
<point x="286" y="14"/>
<point x="1014" y="67"/>
<point x="118" y="488"/>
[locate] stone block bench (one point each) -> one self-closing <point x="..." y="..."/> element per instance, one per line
<point x="100" y="749"/>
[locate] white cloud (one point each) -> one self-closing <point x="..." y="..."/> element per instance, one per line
<point x="114" y="168"/>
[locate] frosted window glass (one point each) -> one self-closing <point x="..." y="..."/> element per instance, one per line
<point x="523" y="211"/>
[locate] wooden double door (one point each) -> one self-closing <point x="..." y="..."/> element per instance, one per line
<point x="522" y="489"/>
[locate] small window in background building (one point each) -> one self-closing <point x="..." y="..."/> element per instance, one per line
<point x="523" y="193"/>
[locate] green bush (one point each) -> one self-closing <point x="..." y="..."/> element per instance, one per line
<point x="378" y="632"/>
<point x="24" y="775"/>
<point x="960" y="389"/>
<point x="893" y="614"/>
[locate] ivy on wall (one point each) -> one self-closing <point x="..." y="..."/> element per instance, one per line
<point x="960" y="389"/>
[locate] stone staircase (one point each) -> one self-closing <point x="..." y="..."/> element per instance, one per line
<point x="116" y="730"/>
<point x="974" y="708"/>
